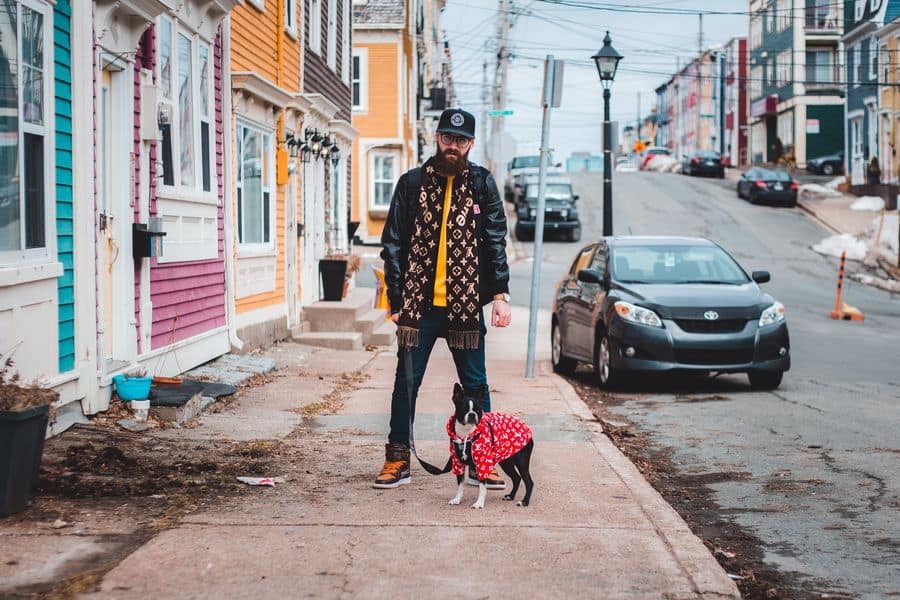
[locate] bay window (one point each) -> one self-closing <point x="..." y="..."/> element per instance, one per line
<point x="255" y="187"/>
<point x="185" y="115"/>
<point x="25" y="142"/>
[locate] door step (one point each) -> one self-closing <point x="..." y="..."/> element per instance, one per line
<point x="336" y="340"/>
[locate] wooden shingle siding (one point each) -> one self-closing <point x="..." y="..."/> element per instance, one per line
<point x="318" y="78"/>
<point x="381" y="120"/>
<point x="62" y="43"/>
<point x="189" y="297"/>
<point x="254" y="49"/>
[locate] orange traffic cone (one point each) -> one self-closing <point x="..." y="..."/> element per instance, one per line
<point x="842" y="310"/>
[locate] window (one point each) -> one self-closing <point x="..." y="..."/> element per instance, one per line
<point x="885" y="64"/>
<point x="857" y="64"/>
<point x="331" y="55"/>
<point x="784" y="68"/>
<point x="255" y="187"/>
<point x="186" y="99"/>
<point x="290" y="17"/>
<point x="773" y="71"/>
<point x="384" y="175"/>
<point x="345" y="43"/>
<point x="359" y="72"/>
<point x="820" y="66"/>
<point x="315" y="26"/>
<point x="873" y="59"/>
<point x="25" y="142"/>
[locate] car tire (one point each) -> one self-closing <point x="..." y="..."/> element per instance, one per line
<point x="562" y="364"/>
<point x="574" y="235"/>
<point x="606" y="376"/>
<point x="752" y="198"/>
<point x="523" y="236"/>
<point x="827" y="169"/>
<point x="765" y="380"/>
<point x="740" y="195"/>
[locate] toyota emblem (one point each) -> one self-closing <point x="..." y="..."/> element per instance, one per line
<point x="710" y="315"/>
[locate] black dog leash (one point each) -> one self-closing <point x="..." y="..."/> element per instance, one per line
<point x="408" y="368"/>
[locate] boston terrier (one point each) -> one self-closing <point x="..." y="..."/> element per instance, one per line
<point x="480" y="440"/>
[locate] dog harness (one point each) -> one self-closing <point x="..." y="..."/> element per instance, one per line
<point x="497" y="437"/>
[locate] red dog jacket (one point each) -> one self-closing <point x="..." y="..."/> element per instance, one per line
<point x="497" y="437"/>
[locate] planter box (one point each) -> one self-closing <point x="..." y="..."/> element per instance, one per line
<point x="333" y="272"/>
<point x="21" y="447"/>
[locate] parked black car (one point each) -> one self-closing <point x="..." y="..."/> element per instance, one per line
<point x="768" y="185"/>
<point x="631" y="304"/>
<point x="832" y="164"/>
<point x="560" y="212"/>
<point x="703" y="162"/>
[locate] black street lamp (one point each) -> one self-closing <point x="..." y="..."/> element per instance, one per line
<point x="607" y="60"/>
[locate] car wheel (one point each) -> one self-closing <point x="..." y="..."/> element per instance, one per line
<point x="753" y="199"/>
<point x="827" y="169"/>
<point x="606" y="376"/>
<point x="522" y="235"/>
<point x="574" y="235"/>
<point x="561" y="364"/>
<point x="740" y="195"/>
<point x="765" y="380"/>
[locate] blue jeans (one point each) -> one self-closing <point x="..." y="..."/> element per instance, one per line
<point x="470" y="368"/>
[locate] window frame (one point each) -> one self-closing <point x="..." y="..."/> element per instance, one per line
<point x="331" y="36"/>
<point x="314" y="39"/>
<point x="177" y="191"/>
<point x="374" y="179"/>
<point x="362" y="80"/>
<point x="23" y="256"/>
<point x="345" y="42"/>
<point x="873" y="58"/>
<point x="255" y="248"/>
<point x="290" y="17"/>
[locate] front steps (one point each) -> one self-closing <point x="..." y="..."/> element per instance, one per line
<point x="350" y="324"/>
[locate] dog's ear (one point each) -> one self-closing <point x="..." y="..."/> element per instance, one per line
<point x="457" y="392"/>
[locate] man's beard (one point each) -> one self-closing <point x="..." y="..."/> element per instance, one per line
<point x="451" y="162"/>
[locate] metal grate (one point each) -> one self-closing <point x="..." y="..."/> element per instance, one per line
<point x="705" y="326"/>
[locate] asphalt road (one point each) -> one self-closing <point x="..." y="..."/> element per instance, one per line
<point x="819" y="458"/>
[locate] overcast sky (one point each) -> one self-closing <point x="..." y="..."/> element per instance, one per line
<point x="652" y="45"/>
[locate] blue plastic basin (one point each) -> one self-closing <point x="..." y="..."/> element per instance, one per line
<point x="132" y="388"/>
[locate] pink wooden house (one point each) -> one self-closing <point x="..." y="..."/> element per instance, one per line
<point x="160" y="147"/>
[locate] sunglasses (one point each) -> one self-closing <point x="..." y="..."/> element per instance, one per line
<point x="454" y="140"/>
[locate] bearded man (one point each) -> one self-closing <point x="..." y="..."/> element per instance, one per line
<point x="444" y="259"/>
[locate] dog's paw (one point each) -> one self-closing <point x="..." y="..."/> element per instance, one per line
<point x="454" y="501"/>
<point x="478" y="505"/>
<point x="507" y="497"/>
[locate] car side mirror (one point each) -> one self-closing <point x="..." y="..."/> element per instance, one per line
<point x="575" y="198"/>
<point x="761" y="276"/>
<point x="589" y="276"/>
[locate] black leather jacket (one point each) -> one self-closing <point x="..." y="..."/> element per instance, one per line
<point x="493" y="270"/>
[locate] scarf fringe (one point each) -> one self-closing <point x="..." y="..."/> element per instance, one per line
<point x="462" y="339"/>
<point x="407" y="337"/>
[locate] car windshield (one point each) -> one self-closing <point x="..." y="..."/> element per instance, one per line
<point x="773" y="175"/>
<point x="526" y="162"/>
<point x="679" y="264"/>
<point x="555" y="191"/>
<point x="707" y="154"/>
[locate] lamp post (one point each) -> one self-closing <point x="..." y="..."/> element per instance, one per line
<point x="607" y="60"/>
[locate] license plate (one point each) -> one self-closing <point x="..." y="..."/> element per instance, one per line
<point x="710" y="163"/>
<point x="778" y="187"/>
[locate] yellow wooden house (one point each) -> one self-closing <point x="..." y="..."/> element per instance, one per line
<point x="383" y="87"/>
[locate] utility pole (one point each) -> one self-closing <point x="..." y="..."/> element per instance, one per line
<point x="484" y="112"/>
<point x="699" y="80"/>
<point x="499" y="88"/>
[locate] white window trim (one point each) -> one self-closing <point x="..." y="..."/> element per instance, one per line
<point x="266" y="248"/>
<point x="290" y="17"/>
<point x="315" y="26"/>
<point x="23" y="258"/>
<point x="331" y="35"/>
<point x="376" y="154"/>
<point x="345" y="43"/>
<point x="177" y="191"/>
<point x="363" y="55"/>
<point x="259" y="5"/>
<point x="873" y="58"/>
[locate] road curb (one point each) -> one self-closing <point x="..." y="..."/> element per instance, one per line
<point x="802" y="205"/>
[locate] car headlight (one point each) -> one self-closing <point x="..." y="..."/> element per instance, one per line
<point x="637" y="314"/>
<point x="773" y="314"/>
<point x="564" y="213"/>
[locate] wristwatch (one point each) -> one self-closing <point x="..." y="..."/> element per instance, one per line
<point x="504" y="297"/>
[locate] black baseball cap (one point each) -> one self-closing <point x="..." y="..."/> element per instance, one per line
<point x="458" y="122"/>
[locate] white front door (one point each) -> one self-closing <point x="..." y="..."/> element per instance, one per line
<point x="290" y="252"/>
<point x="857" y="158"/>
<point x="116" y="269"/>
<point x="313" y="231"/>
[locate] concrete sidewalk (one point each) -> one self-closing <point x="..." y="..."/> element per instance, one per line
<point x="595" y="528"/>
<point x="835" y="213"/>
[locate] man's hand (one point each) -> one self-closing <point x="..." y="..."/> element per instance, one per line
<point x="395" y="317"/>
<point x="501" y="315"/>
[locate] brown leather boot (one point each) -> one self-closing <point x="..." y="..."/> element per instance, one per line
<point x="395" y="471"/>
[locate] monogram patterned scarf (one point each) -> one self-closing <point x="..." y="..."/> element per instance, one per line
<point x="463" y="298"/>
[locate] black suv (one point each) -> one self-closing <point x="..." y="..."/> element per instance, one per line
<point x="560" y="213"/>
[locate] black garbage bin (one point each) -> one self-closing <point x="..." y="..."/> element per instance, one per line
<point x="22" y="435"/>
<point x="333" y="272"/>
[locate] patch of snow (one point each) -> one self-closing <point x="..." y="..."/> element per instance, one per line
<point x="814" y="190"/>
<point x="868" y="203"/>
<point x="888" y="241"/>
<point x="889" y="285"/>
<point x="836" y="244"/>
<point x="834" y="183"/>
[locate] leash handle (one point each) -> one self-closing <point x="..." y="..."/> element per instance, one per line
<point x="410" y="386"/>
